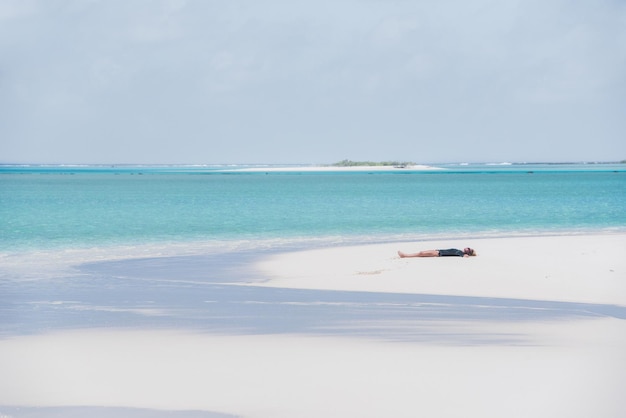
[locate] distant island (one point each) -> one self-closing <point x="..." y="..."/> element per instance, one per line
<point x="349" y="163"/>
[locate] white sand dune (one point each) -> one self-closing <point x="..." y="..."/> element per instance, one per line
<point x="570" y="366"/>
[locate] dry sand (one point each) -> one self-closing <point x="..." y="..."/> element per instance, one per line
<point x="562" y="367"/>
<point x="574" y="268"/>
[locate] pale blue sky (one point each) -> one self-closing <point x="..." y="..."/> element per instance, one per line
<point x="295" y="81"/>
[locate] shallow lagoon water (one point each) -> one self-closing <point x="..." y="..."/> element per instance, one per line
<point x="61" y="207"/>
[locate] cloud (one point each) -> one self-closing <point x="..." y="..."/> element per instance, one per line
<point x="12" y="9"/>
<point x="303" y="81"/>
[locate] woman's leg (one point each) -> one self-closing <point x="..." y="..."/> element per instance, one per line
<point x="427" y="253"/>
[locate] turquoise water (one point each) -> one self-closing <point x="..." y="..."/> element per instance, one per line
<point x="44" y="207"/>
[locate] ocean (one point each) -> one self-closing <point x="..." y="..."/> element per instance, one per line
<point x="60" y="207"/>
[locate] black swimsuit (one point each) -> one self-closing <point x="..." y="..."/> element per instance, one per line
<point x="452" y="252"/>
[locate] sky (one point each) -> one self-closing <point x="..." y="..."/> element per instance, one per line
<point x="311" y="81"/>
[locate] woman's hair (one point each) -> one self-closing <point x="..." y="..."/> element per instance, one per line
<point x="469" y="251"/>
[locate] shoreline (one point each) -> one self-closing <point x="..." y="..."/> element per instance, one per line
<point x="118" y="250"/>
<point x="275" y="257"/>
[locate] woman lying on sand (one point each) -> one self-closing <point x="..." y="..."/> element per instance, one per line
<point x="451" y="252"/>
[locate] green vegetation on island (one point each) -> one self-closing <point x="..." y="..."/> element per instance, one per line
<point x="349" y="163"/>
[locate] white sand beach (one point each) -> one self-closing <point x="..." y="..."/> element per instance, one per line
<point x="574" y="268"/>
<point x="570" y="364"/>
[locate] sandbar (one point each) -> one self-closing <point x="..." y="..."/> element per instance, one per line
<point x="326" y="168"/>
<point x="544" y="366"/>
